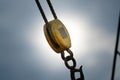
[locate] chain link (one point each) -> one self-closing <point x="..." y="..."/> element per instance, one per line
<point x="72" y="68"/>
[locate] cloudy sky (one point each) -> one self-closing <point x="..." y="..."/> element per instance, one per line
<point x="26" y="55"/>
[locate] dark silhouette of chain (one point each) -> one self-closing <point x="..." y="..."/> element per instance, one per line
<point x="72" y="68"/>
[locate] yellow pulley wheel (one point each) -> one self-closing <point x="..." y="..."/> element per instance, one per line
<point x="57" y="35"/>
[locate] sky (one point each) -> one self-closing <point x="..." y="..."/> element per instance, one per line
<point x="26" y="55"/>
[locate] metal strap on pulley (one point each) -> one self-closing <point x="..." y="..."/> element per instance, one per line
<point x="51" y="8"/>
<point x="42" y="12"/>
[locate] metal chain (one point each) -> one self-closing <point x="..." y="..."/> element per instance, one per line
<point x="72" y="68"/>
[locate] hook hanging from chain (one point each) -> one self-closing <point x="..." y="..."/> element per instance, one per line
<point x="72" y="68"/>
<point x="73" y="71"/>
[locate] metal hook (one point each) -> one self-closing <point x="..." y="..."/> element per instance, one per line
<point x="73" y="71"/>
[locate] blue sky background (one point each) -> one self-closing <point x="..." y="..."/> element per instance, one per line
<point x="26" y="55"/>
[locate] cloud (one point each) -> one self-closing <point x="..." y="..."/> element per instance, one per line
<point x="26" y="55"/>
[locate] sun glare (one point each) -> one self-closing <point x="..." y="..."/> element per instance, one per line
<point x="77" y="29"/>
